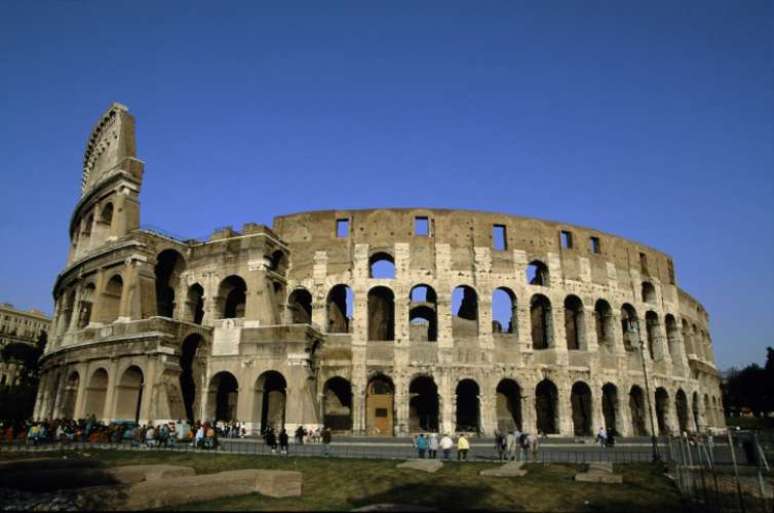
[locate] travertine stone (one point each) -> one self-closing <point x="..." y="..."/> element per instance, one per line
<point x="425" y="465"/>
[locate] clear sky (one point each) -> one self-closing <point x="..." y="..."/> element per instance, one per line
<point x="652" y="119"/>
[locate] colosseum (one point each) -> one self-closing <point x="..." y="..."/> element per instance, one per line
<point x="380" y="322"/>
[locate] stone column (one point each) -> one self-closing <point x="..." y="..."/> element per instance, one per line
<point x="80" y="398"/>
<point x="589" y="342"/>
<point x="401" y="402"/>
<point x="528" y="414"/>
<point x="148" y="390"/>
<point x="446" y="423"/>
<point x="109" y="411"/>
<point x="564" y="409"/>
<point x="597" y="414"/>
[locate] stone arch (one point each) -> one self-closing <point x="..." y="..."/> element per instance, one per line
<point x="508" y="405"/>
<point x="468" y="411"/>
<point x="96" y="393"/>
<point x="547" y="407"/>
<point x="337" y="404"/>
<point x="169" y="265"/>
<point x="708" y="411"/>
<point x="278" y="262"/>
<point x="603" y="320"/>
<point x="581" y="403"/>
<point x="696" y="411"/>
<point x="541" y="321"/>
<point x="648" y="293"/>
<point x="504" y="312"/>
<point x="380" y="406"/>
<point x="687" y="338"/>
<point x="300" y="306"/>
<point x="111" y="299"/>
<point x="222" y="397"/>
<point x="662" y="411"/>
<point x="70" y="395"/>
<point x="610" y="407"/>
<point x="232" y="294"/>
<point x="339" y="308"/>
<point x="195" y="303"/>
<point x="423" y="404"/>
<point x="630" y="327"/>
<point x="86" y="305"/>
<point x="637" y="411"/>
<point x="381" y="314"/>
<point x="574" y="326"/>
<point x="464" y="312"/>
<point x="191" y="365"/>
<point x="271" y="392"/>
<point x="672" y="332"/>
<point x="381" y="265"/>
<point x="106" y="215"/>
<point x="423" y="314"/>
<point x="652" y="326"/>
<point x="681" y="405"/>
<point x="537" y="273"/>
<point x="129" y="394"/>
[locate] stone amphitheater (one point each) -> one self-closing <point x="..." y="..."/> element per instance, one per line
<point x="380" y="322"/>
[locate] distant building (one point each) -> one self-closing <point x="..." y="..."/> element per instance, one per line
<point x="19" y="327"/>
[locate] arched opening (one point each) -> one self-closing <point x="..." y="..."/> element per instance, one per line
<point x="687" y="338"/>
<point x="672" y="335"/>
<point x="468" y="412"/>
<point x="232" y="295"/>
<point x="504" y="311"/>
<point x="381" y="314"/>
<point x="339" y="307"/>
<point x="195" y="303"/>
<point x="96" y="393"/>
<point x="610" y="407"/>
<point x="508" y="406"/>
<point x="86" y="305"/>
<point x="580" y="400"/>
<point x="106" y="217"/>
<point x="423" y="405"/>
<point x="300" y="306"/>
<point x="87" y="225"/>
<point x="129" y="394"/>
<point x="337" y="404"/>
<point x="648" y="293"/>
<point x="423" y="314"/>
<point x="190" y="375"/>
<point x="637" y="411"/>
<point x="652" y="327"/>
<point x="464" y="312"/>
<point x="573" y="323"/>
<point x="546" y="407"/>
<point x="271" y="391"/>
<point x="169" y="265"/>
<point x="696" y="412"/>
<point x="681" y="404"/>
<point x="380" y="406"/>
<point x="662" y="411"/>
<point x="70" y="395"/>
<point x="603" y="319"/>
<point x="223" y="394"/>
<point x="542" y="324"/>
<point x="69" y="308"/>
<point x="278" y="262"/>
<point x="630" y="327"/>
<point x="381" y="265"/>
<point x="537" y="273"/>
<point x="111" y="299"/>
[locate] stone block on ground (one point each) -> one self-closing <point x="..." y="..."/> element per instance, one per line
<point x="163" y="493"/>
<point x="599" y="477"/>
<point x="601" y="466"/>
<point x="510" y="469"/>
<point x="129" y="474"/>
<point x="429" y="465"/>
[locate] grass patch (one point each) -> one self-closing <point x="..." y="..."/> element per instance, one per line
<point x="336" y="484"/>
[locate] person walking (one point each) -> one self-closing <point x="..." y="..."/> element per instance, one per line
<point x="326" y="440"/>
<point x="602" y="436"/>
<point x="446" y="445"/>
<point x="432" y="446"/>
<point x="271" y="440"/>
<point x="283" y="442"/>
<point x="463" y="446"/>
<point x="511" y="445"/>
<point x="500" y="445"/>
<point x="421" y="445"/>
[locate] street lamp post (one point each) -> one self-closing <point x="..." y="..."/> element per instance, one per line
<point x="634" y="332"/>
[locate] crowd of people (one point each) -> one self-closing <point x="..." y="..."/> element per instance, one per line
<point x="280" y="441"/>
<point x="513" y="445"/>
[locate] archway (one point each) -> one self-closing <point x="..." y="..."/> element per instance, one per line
<point x="337" y="404"/>
<point x="190" y="374"/>
<point x="423" y="314"/>
<point x="610" y="407"/>
<point x="662" y="411"/>
<point x="508" y="406"/>
<point x="70" y="395"/>
<point x="630" y="327"/>
<point x="339" y="308"/>
<point x="300" y="306"/>
<point x="271" y="391"/>
<point x="223" y="395"/>
<point x="464" y="312"/>
<point x="504" y="312"/>
<point x="637" y="411"/>
<point x="468" y="411"/>
<point x="129" y="394"/>
<point x="540" y="317"/>
<point x="380" y="406"/>
<point x="169" y="265"/>
<point x="195" y="303"/>
<point x="546" y="407"/>
<point x="232" y="296"/>
<point x="652" y="327"/>
<point x="381" y="314"/>
<point x="381" y="265"/>
<point x="681" y="405"/>
<point x="423" y="405"/>
<point x="603" y="318"/>
<point x="580" y="399"/>
<point x="537" y="273"/>
<point x="111" y="299"/>
<point x="96" y="392"/>
<point x="573" y="323"/>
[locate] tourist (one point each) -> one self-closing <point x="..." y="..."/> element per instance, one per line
<point x="432" y="446"/>
<point x="199" y="438"/>
<point x="501" y="445"/>
<point x="326" y="440"/>
<point x="283" y="442"/>
<point x="300" y="434"/>
<point x="271" y="440"/>
<point x="463" y="446"/>
<point x="150" y="437"/>
<point x="164" y="435"/>
<point x="421" y="445"/>
<point x="446" y="445"/>
<point x="611" y="438"/>
<point x="210" y="438"/>
<point x="534" y="445"/>
<point x="524" y="446"/>
<point x="512" y="444"/>
<point x="602" y="436"/>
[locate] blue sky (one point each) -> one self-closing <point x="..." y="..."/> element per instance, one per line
<point x="652" y="120"/>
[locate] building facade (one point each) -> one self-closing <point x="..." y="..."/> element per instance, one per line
<point x="382" y="322"/>
<point x="28" y="328"/>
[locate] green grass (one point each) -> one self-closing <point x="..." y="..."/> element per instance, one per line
<point x="341" y="484"/>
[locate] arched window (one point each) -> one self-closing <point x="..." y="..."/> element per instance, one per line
<point x="672" y="334"/>
<point x="542" y="324"/>
<point x="169" y="265"/>
<point x="637" y="411"/>
<point x="508" y="406"/>
<point x="423" y="405"/>
<point x="573" y="323"/>
<point x="339" y="308"/>
<point x="381" y="314"/>
<point x="232" y="295"/>
<point x="464" y="312"/>
<point x="223" y="396"/>
<point x="85" y="305"/>
<point x="111" y="299"/>
<point x="630" y="327"/>
<point x="423" y="314"/>
<point x="648" y="292"/>
<point x="662" y="411"/>
<point x="580" y="401"/>
<point x="546" y="407"/>
<point x="537" y="273"/>
<point x="610" y="407"/>
<point x="603" y="319"/>
<point x="271" y="397"/>
<point x="278" y="262"/>
<point x="504" y="311"/>
<point x="337" y="404"/>
<point x="382" y="265"/>
<point x="300" y="306"/>
<point x="468" y="415"/>
<point x="129" y="394"/>
<point x="652" y="325"/>
<point x="106" y="217"/>
<point x="195" y="303"/>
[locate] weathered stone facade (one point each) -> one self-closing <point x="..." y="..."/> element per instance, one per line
<point x="384" y="321"/>
<point x="29" y="328"/>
